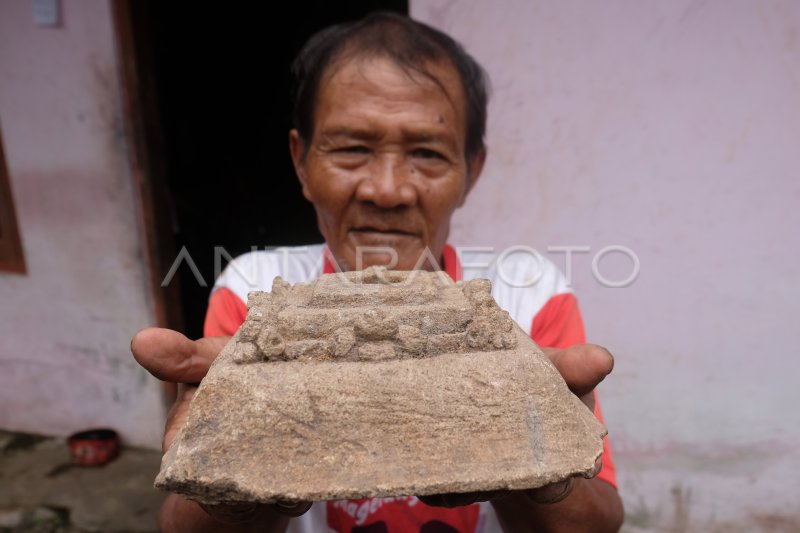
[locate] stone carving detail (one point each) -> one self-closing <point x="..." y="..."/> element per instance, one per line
<point x="378" y="383"/>
<point x="385" y="315"/>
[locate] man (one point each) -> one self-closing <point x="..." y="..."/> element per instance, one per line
<point x="388" y="142"/>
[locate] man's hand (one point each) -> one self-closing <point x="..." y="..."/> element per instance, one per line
<point x="171" y="356"/>
<point x="583" y="367"/>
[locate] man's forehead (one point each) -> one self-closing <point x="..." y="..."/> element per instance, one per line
<point x="440" y="76"/>
<point x="343" y="87"/>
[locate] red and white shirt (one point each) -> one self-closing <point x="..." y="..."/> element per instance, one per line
<point x="528" y="286"/>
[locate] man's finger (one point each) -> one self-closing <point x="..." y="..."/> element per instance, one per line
<point x="583" y="366"/>
<point x="232" y="513"/>
<point x="552" y="493"/>
<point x="292" y="509"/>
<point x="458" y="499"/>
<point x="171" y="356"/>
<point x="177" y="415"/>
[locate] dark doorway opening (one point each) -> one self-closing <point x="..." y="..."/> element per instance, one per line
<point x="217" y="79"/>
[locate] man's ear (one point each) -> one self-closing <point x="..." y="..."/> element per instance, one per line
<point x="475" y="169"/>
<point x="297" y="148"/>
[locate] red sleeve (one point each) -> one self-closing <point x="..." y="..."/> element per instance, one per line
<point x="609" y="472"/>
<point x="226" y="312"/>
<point x="559" y="325"/>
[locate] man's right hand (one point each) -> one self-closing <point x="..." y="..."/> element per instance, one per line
<point x="171" y="356"/>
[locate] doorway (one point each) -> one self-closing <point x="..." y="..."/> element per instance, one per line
<point x="212" y="86"/>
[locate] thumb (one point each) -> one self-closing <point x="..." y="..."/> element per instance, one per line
<point x="582" y="366"/>
<point x="171" y="356"/>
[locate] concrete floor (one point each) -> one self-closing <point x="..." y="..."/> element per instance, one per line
<point x="41" y="492"/>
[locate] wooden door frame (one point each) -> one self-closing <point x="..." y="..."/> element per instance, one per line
<point x="146" y="154"/>
<point x="12" y="258"/>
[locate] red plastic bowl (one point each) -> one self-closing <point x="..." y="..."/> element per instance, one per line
<point x="94" y="447"/>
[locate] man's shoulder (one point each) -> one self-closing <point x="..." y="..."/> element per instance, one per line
<point x="515" y="267"/>
<point x="255" y="271"/>
<point x="523" y="280"/>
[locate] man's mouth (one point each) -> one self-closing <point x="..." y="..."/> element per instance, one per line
<point x="388" y="232"/>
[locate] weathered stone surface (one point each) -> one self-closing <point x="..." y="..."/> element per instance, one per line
<point x="378" y="383"/>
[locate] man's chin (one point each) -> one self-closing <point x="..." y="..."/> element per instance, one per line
<point x="390" y="239"/>
<point x="395" y="254"/>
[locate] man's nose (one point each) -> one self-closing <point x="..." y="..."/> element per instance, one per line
<point x="388" y="184"/>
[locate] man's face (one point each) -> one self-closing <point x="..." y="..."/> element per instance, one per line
<point x="385" y="166"/>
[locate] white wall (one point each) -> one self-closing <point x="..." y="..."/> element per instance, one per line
<point x="66" y="326"/>
<point x="672" y="128"/>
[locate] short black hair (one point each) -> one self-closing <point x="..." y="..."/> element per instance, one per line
<point x="412" y="45"/>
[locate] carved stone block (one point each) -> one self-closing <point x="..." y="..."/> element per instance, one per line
<point x="378" y="383"/>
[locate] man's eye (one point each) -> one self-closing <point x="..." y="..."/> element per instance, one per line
<point x="425" y="153"/>
<point x="353" y="150"/>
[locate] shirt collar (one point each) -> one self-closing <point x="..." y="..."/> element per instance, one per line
<point x="451" y="263"/>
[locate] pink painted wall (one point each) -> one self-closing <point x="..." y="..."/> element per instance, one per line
<point x="672" y="128"/>
<point x="66" y="326"/>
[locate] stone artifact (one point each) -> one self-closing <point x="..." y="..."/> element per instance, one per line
<point x="378" y="383"/>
